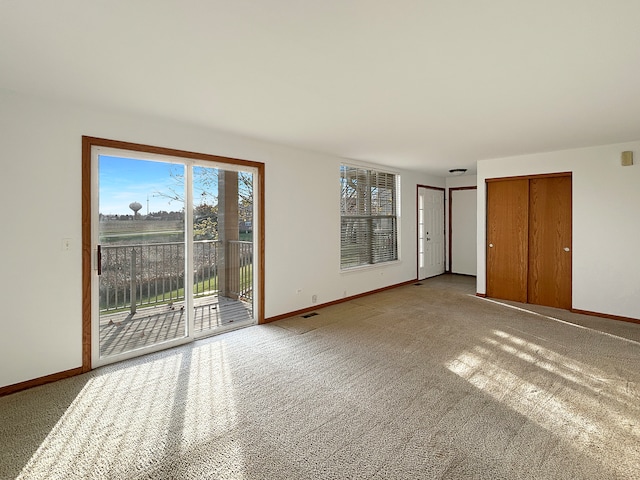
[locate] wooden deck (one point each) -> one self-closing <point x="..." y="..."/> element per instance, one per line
<point x="122" y="332"/>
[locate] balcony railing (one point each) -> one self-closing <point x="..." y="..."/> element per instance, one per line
<point x="241" y="271"/>
<point x="145" y="275"/>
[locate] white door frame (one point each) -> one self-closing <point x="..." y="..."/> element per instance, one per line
<point x="97" y="360"/>
<point x="435" y="237"/>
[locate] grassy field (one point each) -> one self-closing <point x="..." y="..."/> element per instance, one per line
<point x="147" y="232"/>
<point x="203" y="287"/>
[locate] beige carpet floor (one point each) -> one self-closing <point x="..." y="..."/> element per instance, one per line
<point x="418" y="382"/>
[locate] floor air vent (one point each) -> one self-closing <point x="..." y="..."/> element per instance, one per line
<point x="312" y="314"/>
<point x="417" y="284"/>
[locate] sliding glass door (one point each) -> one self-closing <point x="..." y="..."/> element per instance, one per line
<point x="141" y="254"/>
<point x="222" y="248"/>
<point x="173" y="241"/>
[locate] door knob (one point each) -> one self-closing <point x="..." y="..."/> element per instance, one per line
<point x="567" y="249"/>
<point x="491" y="245"/>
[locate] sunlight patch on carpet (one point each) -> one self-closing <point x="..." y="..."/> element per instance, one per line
<point x="559" y="320"/>
<point x="123" y="415"/>
<point x="520" y="374"/>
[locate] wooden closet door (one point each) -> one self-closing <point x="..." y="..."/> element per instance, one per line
<point x="550" y="242"/>
<point x="507" y="239"/>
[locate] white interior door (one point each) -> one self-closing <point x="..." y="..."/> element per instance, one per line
<point x="430" y="232"/>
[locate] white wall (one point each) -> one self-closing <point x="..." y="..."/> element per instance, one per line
<point x="455" y="182"/>
<point x="606" y="222"/>
<point x="464" y="236"/>
<point x="462" y="181"/>
<point x="40" y="191"/>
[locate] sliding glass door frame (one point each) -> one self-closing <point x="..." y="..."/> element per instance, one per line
<point x="92" y="147"/>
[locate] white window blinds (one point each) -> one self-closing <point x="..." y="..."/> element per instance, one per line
<point x="368" y="212"/>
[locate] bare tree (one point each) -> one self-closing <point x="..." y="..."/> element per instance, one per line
<point x="206" y="182"/>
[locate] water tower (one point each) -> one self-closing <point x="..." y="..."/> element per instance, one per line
<point x="135" y="206"/>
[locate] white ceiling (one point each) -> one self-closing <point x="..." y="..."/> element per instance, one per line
<point x="427" y="85"/>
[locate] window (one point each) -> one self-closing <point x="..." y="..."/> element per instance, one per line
<point x="368" y="217"/>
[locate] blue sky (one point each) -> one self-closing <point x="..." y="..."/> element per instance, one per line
<point x="124" y="180"/>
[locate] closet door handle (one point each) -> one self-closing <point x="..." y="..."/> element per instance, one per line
<point x="567" y="249"/>
<point x="491" y="245"/>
